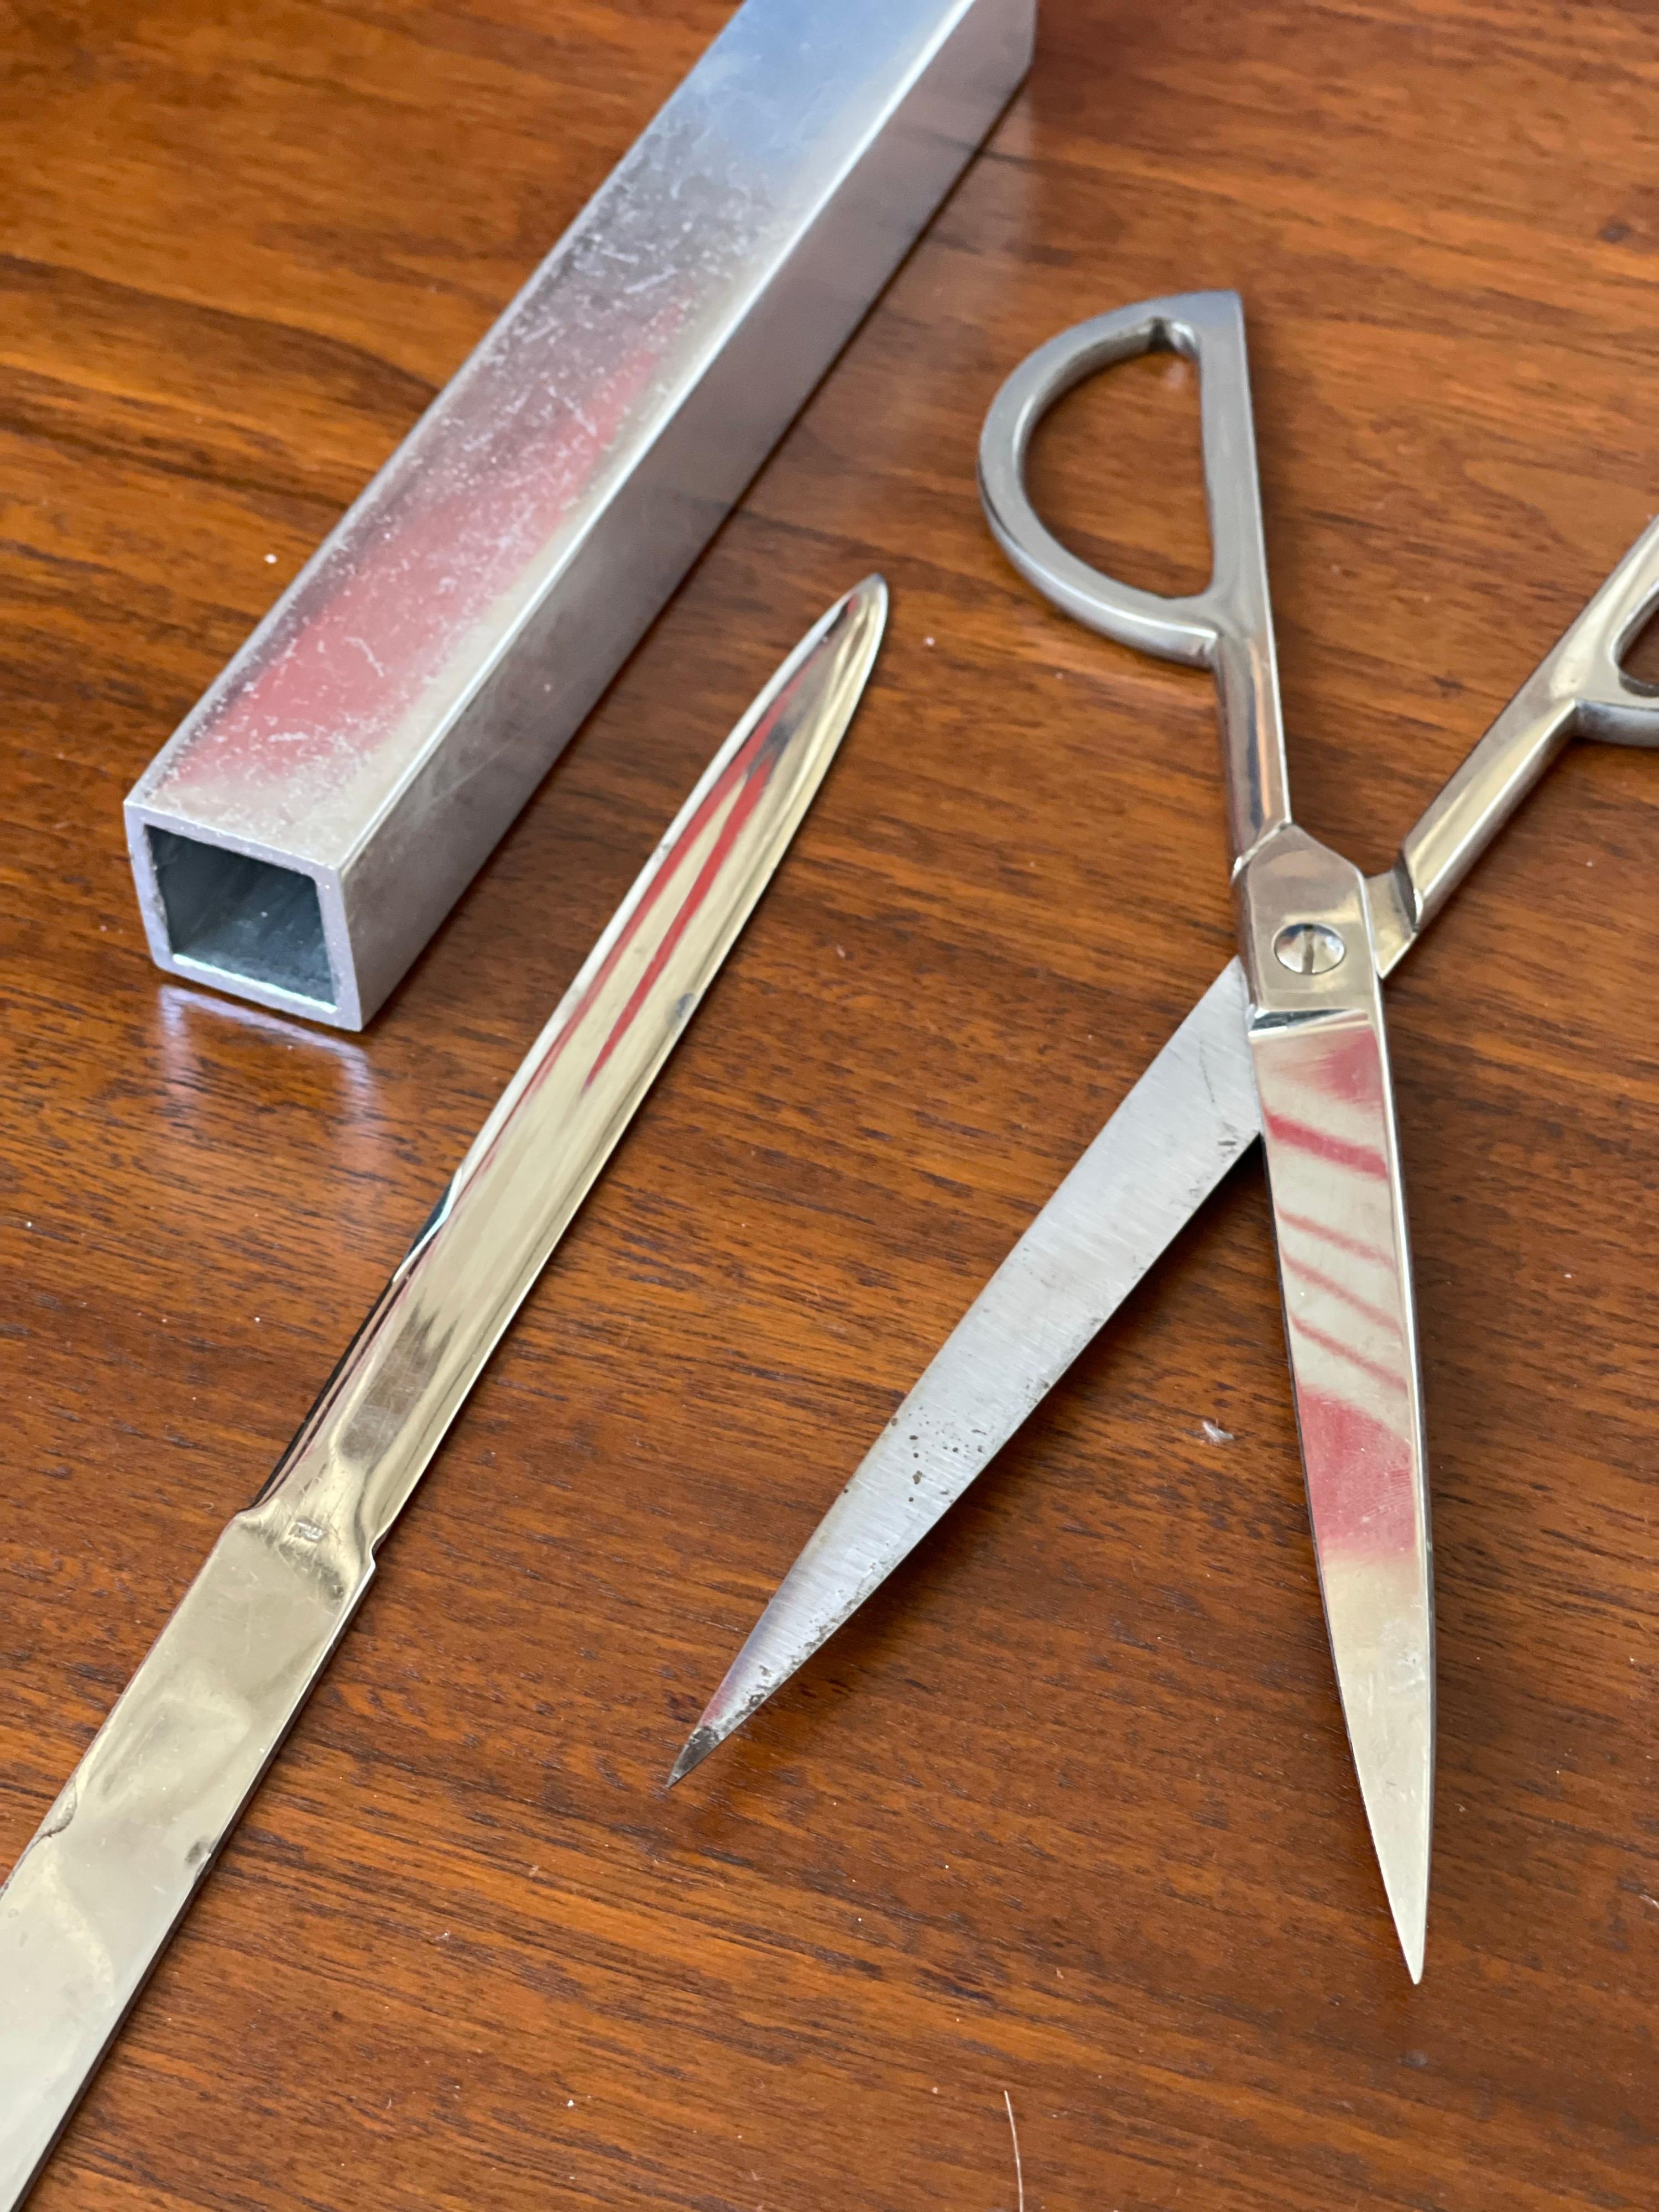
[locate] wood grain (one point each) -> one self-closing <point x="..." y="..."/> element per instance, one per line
<point x="1067" y="1813"/>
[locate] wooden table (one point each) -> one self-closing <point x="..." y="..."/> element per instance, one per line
<point x="1064" y="1822"/>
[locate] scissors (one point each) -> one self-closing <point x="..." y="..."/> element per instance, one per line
<point x="1288" y="1045"/>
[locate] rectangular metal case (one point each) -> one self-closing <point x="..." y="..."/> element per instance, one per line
<point x="320" y="811"/>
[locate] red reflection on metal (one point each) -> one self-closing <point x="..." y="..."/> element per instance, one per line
<point x="373" y="630"/>
<point x="1365" y="1159"/>
<point x="745" y="772"/>
<point x="1365" y="1503"/>
<point x="1324" y="1114"/>
<point x="737" y="790"/>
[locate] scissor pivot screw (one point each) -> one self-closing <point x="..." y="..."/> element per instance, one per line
<point x="1309" y="948"/>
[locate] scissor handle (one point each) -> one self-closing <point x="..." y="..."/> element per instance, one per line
<point x="1579" y="689"/>
<point x="1228" y="626"/>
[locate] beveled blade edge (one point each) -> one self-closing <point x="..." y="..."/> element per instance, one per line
<point x="1187" y="1119"/>
<point x="1335" y="1185"/>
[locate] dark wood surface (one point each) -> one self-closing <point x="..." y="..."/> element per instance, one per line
<point x="1066" y="1817"/>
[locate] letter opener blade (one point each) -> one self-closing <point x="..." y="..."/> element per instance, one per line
<point x="114" y="1867"/>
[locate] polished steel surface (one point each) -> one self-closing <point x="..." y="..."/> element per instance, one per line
<point x="1578" y="689"/>
<point x="1317" y="1041"/>
<point x="1319" y="1050"/>
<point x="1227" y="627"/>
<point x="317" y="813"/>
<point x="1321" y="1057"/>
<point x="94" y="1898"/>
<point x="1158" y="1156"/>
<point x="1342" y="1250"/>
<point x="1142" y="1180"/>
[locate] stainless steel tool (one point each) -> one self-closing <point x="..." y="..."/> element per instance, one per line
<point x="1286" y="1045"/>
<point x="321" y="809"/>
<point x="114" y="1865"/>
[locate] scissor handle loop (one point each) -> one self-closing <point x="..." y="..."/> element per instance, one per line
<point x="1228" y="626"/>
<point x="1580" y="689"/>
<point x="1588" y="665"/>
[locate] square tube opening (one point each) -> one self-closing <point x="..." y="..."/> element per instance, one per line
<point x="247" y="918"/>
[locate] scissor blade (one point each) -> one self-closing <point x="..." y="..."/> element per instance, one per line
<point x="1328" y="1135"/>
<point x="1170" y="1142"/>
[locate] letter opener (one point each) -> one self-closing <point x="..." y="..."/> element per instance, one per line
<point x="96" y="1894"/>
<point x="1287" y="1045"/>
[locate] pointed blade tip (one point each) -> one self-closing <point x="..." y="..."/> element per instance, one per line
<point x="869" y="597"/>
<point x="1411" y="1928"/>
<point x="870" y="603"/>
<point x="702" y="1741"/>
<point x="1412" y="1943"/>
<point x="1401" y="1825"/>
<point x="1405" y="1871"/>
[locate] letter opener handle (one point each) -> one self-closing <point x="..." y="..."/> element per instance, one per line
<point x="115" y="1864"/>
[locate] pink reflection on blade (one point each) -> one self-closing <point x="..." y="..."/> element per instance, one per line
<point x="733" y="795"/>
<point x="1366" y="1503"/>
<point x="1326" y="1115"/>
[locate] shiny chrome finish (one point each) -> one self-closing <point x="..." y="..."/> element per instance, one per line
<point x="1321" y="1057"/>
<point x="320" y="811"/>
<point x="116" y="1862"/>
<point x="1327" y="934"/>
<point x="1580" y="689"/>
<point x="1228" y="626"/>
<point x="1314" y="1020"/>
<point x="1151" y="1170"/>
<point x="1320" y="1053"/>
